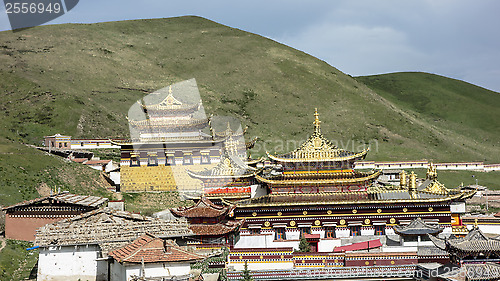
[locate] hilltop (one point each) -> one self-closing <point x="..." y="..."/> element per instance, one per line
<point x="81" y="79"/>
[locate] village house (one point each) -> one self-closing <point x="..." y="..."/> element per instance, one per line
<point x="150" y="257"/>
<point x="78" y="247"/>
<point x="22" y="219"/>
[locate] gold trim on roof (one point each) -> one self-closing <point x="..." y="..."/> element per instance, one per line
<point x="436" y="188"/>
<point x="317" y="148"/>
<point x="293" y="202"/>
<point x="322" y="181"/>
<point x="171" y="103"/>
<point x="230" y="166"/>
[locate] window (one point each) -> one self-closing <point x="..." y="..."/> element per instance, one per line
<point x="187" y="160"/>
<point x="379" y="229"/>
<point x="355" y="230"/>
<point x="205" y="159"/>
<point x="134" y="161"/>
<point x="152" y="161"/>
<point x="280" y="234"/>
<point x="254" y="230"/>
<point x="304" y="230"/>
<point x="170" y="160"/>
<point x="330" y="232"/>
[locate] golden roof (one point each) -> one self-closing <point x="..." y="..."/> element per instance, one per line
<point x="317" y="148"/>
<point x="170" y="103"/>
<point x="367" y="177"/>
<point x="230" y="166"/>
<point x="347" y="198"/>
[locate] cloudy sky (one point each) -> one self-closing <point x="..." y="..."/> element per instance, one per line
<point x="454" y="38"/>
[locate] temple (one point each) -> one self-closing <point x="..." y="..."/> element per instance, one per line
<point x="210" y="224"/>
<point x="168" y="136"/>
<point x="317" y="166"/>
<point x="475" y="247"/>
<point x="315" y="193"/>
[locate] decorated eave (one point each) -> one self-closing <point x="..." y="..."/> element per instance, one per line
<point x="230" y="166"/>
<point x="204" y="208"/>
<point x="323" y="181"/>
<point x="347" y="198"/>
<point x="474" y="241"/>
<point x="167" y="141"/>
<point x="216" y="229"/>
<point x="318" y="149"/>
<point x="417" y="227"/>
<point x="169" y="123"/>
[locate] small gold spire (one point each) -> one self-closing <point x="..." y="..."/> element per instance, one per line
<point x="170" y="89"/>
<point x="402" y="179"/>
<point x="413" y="181"/>
<point x="475" y="223"/>
<point x="316" y="121"/>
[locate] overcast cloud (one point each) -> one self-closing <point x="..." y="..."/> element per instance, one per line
<point x="458" y="38"/>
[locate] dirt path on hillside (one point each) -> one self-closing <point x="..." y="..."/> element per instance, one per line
<point x="3" y="243"/>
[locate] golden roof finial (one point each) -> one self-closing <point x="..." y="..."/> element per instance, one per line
<point x="170" y="89"/>
<point x="475" y="223"/>
<point x="316" y="121"/>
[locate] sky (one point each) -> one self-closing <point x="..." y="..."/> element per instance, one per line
<point x="454" y="38"/>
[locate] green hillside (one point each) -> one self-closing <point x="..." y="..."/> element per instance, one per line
<point x="81" y="79"/>
<point x="449" y="105"/>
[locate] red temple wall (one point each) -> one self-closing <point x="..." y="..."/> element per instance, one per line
<point x="24" y="228"/>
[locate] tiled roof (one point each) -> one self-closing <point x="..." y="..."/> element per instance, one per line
<point x="216" y="229"/>
<point x="150" y="249"/>
<point x="65" y="197"/>
<point x="79" y="160"/>
<point x="474" y="241"/>
<point x="204" y="208"/>
<point x="417" y="227"/>
<point x="474" y="272"/>
<point x="106" y="226"/>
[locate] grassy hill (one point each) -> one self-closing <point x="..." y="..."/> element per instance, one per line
<point x="451" y="106"/>
<point x="81" y="79"/>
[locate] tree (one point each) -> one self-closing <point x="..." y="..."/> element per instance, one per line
<point x="304" y="246"/>
<point x="246" y="273"/>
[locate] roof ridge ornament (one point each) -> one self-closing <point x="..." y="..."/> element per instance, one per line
<point x="316" y="122"/>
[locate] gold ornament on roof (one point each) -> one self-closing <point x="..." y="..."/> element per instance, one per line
<point x="342" y="222"/>
<point x="317" y="222"/>
<point x="431" y="172"/>
<point x="392" y="220"/>
<point x="292" y="223"/>
<point x="316" y="121"/>
<point x="367" y="221"/>
<point x="267" y="224"/>
<point x="379" y="211"/>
